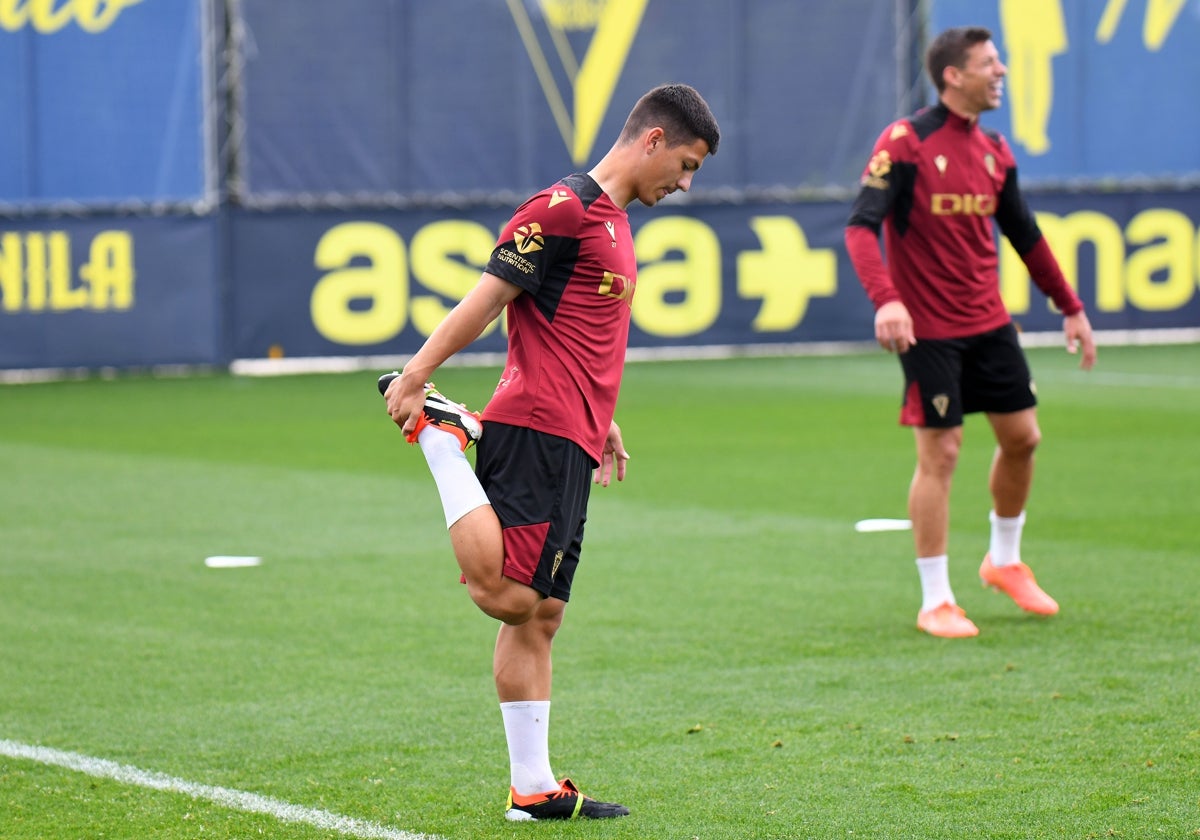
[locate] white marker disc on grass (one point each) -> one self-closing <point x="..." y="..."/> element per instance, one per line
<point x="228" y="561"/>
<point x="864" y="526"/>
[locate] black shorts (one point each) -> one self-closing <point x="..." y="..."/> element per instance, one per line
<point x="538" y="485"/>
<point x="945" y="379"/>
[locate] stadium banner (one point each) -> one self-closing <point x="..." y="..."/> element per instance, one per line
<point x="402" y="101"/>
<point x="365" y="284"/>
<point x="117" y="291"/>
<point x="1093" y="88"/>
<point x="103" y="103"/>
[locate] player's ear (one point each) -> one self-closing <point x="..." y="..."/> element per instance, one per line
<point x="654" y="138"/>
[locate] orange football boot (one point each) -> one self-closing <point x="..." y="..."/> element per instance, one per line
<point x="1016" y="581"/>
<point x="949" y="621"/>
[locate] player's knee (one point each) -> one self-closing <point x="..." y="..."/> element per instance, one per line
<point x="1023" y="445"/>
<point x="1020" y="441"/>
<point x="546" y="622"/>
<point x="940" y="458"/>
<point x="947" y="456"/>
<point x="508" y="603"/>
<point x="1034" y="438"/>
<point x="937" y="450"/>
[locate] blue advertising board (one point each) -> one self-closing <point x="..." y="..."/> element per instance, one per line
<point x="375" y="148"/>
<point x="104" y="103"/>
<point x="1095" y="90"/>
<point x="134" y="292"/>
<point x="120" y="292"/>
<point x="377" y="283"/>
<point x="399" y="100"/>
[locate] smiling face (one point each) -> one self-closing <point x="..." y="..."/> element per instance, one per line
<point x="978" y="85"/>
<point x="665" y="169"/>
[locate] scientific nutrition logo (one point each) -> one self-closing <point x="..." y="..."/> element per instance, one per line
<point x="578" y="49"/>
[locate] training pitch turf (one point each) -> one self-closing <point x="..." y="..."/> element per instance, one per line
<point x="738" y="661"/>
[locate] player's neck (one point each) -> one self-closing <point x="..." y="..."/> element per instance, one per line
<point x="960" y="109"/>
<point x="614" y="175"/>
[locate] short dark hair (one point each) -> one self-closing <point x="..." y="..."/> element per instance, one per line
<point x="680" y="111"/>
<point x="949" y="49"/>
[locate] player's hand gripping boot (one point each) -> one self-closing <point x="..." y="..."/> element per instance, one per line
<point x="441" y="413"/>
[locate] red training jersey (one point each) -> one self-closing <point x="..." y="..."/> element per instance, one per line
<point x="934" y="183"/>
<point x="570" y="250"/>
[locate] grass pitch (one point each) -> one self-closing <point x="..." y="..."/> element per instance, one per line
<point x="737" y="661"/>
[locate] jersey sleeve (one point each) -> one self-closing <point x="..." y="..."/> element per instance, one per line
<point x="1048" y="276"/>
<point x="880" y="185"/>
<point x="1013" y="215"/>
<point x="532" y="241"/>
<point x="1019" y="225"/>
<point x="862" y="245"/>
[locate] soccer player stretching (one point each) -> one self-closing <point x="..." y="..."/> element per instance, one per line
<point x="934" y="183"/>
<point x="564" y="270"/>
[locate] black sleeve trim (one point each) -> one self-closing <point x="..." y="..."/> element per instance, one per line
<point x="1016" y="220"/>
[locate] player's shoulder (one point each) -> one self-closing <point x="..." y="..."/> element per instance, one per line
<point x="565" y="203"/>
<point x="992" y="135"/>
<point x="909" y="132"/>
<point x="998" y="144"/>
<point x="927" y="121"/>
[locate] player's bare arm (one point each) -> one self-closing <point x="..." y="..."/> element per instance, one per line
<point x="483" y="304"/>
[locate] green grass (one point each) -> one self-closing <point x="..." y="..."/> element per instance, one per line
<point x="737" y="662"/>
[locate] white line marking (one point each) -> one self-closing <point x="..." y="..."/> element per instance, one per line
<point x="227" y="797"/>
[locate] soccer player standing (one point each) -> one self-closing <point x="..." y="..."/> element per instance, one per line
<point x="565" y="272"/>
<point x="934" y="184"/>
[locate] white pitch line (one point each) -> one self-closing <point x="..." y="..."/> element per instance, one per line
<point x="227" y="797"/>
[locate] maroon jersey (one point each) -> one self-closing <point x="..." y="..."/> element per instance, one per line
<point x="934" y="183"/>
<point x="570" y="250"/>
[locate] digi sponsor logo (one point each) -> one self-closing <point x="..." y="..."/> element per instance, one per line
<point x="618" y="286"/>
<point x="578" y="49"/>
<point x="528" y="238"/>
<point x="953" y="204"/>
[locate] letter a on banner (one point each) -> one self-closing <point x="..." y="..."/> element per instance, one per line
<point x="588" y="84"/>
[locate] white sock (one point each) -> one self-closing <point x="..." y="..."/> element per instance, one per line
<point x="456" y="482"/>
<point x="527" y="728"/>
<point x="1005" y="546"/>
<point x="935" y="581"/>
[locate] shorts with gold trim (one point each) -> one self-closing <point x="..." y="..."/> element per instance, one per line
<point x="945" y="379"/>
<point x="538" y="485"/>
